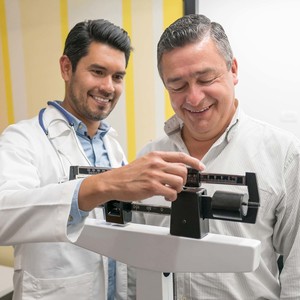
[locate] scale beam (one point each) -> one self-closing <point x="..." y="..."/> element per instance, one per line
<point x="193" y="207"/>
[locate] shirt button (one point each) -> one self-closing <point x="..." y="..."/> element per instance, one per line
<point x="70" y="218"/>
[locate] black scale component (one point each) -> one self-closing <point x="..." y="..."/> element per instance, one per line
<point x="191" y="212"/>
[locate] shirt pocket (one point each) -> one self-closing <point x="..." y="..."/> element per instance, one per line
<point x="76" y="287"/>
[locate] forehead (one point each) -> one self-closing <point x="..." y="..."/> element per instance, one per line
<point x="192" y="57"/>
<point x="104" y="55"/>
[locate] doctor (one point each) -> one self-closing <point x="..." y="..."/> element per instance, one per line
<point x="41" y="212"/>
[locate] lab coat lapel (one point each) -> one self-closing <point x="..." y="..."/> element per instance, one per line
<point x="63" y="138"/>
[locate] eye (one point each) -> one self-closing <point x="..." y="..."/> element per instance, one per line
<point x="176" y="88"/>
<point x="206" y="81"/>
<point x="97" y="72"/>
<point x="119" y="77"/>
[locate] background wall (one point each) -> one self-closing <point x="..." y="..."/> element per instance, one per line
<point x="6" y="256"/>
<point x="264" y="35"/>
<point x="32" y="34"/>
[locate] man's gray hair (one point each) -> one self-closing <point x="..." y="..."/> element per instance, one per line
<point x="191" y="29"/>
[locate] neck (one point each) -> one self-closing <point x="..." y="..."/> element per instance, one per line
<point x="92" y="128"/>
<point x="91" y="125"/>
<point x="197" y="148"/>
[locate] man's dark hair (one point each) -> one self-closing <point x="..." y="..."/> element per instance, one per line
<point x="84" y="33"/>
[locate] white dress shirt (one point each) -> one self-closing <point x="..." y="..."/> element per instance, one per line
<point x="248" y="145"/>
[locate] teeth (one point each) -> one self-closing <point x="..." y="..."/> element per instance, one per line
<point x="204" y="109"/>
<point x="199" y="111"/>
<point x="101" y="99"/>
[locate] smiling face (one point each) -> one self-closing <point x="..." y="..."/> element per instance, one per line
<point x="201" y="89"/>
<point x="93" y="90"/>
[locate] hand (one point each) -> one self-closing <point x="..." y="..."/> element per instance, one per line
<point x="157" y="173"/>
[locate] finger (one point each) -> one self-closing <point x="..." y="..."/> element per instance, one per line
<point x="181" y="157"/>
<point x="168" y="193"/>
<point x="175" y="182"/>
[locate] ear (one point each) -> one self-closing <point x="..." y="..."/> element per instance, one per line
<point x="65" y="67"/>
<point x="234" y="71"/>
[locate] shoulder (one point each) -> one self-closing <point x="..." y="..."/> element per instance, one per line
<point x="265" y="139"/>
<point x="160" y="144"/>
<point x="266" y="131"/>
<point x="24" y="128"/>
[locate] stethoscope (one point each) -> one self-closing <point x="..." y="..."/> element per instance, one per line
<point x="68" y="118"/>
<point x="70" y="122"/>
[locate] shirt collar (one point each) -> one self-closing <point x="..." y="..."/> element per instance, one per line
<point x="175" y="124"/>
<point x="232" y="127"/>
<point x="79" y="126"/>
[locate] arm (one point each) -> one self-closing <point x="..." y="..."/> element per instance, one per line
<point x="34" y="207"/>
<point x="157" y="173"/>
<point x="287" y="230"/>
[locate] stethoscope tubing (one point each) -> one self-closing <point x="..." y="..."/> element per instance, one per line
<point x="60" y="109"/>
<point x="70" y="122"/>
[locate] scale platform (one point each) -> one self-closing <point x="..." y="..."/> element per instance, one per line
<point x="154" y="251"/>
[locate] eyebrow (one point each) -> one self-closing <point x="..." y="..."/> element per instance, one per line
<point x="198" y="73"/>
<point x="96" y="66"/>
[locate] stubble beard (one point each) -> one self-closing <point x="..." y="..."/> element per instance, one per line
<point x="82" y="108"/>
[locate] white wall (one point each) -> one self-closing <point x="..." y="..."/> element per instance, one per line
<point x="265" y="38"/>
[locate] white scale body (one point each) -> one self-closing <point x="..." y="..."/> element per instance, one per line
<point x="153" y="250"/>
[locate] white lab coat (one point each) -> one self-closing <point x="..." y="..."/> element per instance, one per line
<point x="34" y="210"/>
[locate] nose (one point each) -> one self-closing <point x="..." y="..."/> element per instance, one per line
<point x="107" y="84"/>
<point x="195" y="94"/>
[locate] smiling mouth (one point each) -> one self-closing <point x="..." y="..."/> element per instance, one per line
<point x="201" y="110"/>
<point x="101" y="99"/>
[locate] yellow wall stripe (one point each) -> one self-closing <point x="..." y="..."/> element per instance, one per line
<point x="64" y="20"/>
<point x="6" y="64"/>
<point x="129" y="87"/>
<point x="143" y="69"/>
<point x="41" y="32"/>
<point x="172" y="10"/>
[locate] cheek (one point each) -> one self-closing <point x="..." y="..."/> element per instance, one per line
<point x="79" y="84"/>
<point x="176" y="107"/>
<point x="176" y="100"/>
<point x="118" y="90"/>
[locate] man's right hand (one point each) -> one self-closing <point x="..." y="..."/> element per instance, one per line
<point x="157" y="173"/>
